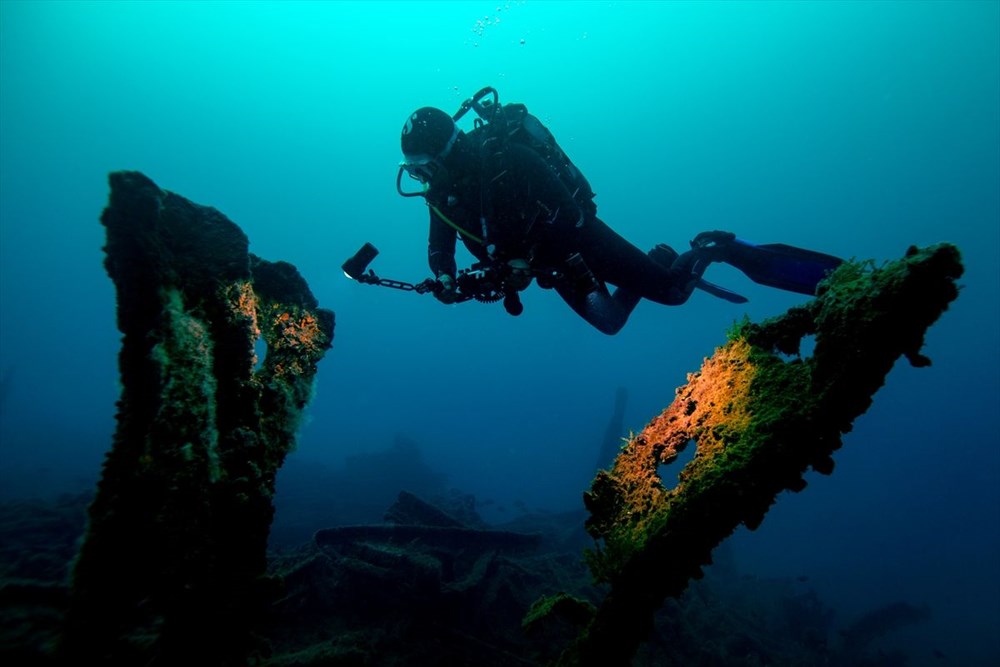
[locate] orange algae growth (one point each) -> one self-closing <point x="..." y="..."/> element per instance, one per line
<point x="295" y="339"/>
<point x="244" y="306"/>
<point x="714" y="409"/>
<point x="760" y="422"/>
<point x="247" y="303"/>
<point x="292" y="330"/>
<point x="179" y="524"/>
<point x="299" y="332"/>
<point x="710" y="408"/>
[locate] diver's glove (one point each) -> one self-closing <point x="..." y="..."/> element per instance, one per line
<point x="446" y="293"/>
<point x="663" y="255"/>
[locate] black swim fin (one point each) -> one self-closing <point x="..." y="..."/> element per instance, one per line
<point x="720" y="292"/>
<point x="778" y="265"/>
<point x="664" y="255"/>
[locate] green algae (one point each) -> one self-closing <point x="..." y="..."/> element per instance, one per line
<point x="760" y="415"/>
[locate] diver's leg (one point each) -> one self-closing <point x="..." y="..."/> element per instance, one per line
<point x="605" y="312"/>
<point x="615" y="260"/>
<point x="609" y="312"/>
<point x="683" y="283"/>
<point x="706" y="248"/>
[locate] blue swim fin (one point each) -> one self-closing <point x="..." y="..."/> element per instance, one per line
<point x="778" y="265"/>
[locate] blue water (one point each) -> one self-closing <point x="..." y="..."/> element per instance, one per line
<point x="856" y="129"/>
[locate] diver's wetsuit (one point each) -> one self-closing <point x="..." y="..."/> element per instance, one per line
<point x="529" y="214"/>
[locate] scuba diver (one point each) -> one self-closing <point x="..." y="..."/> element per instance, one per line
<point x="517" y="202"/>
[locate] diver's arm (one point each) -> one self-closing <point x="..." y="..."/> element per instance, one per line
<point x="441" y="247"/>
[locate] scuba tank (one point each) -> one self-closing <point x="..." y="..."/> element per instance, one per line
<point x="500" y="124"/>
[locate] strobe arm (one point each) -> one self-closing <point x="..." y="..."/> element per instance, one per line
<point x="429" y="285"/>
<point x="354" y="268"/>
<point x="484" y="282"/>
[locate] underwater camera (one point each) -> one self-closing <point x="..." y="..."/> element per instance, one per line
<point x="484" y="282"/>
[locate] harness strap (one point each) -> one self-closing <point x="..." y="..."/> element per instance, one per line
<point x="451" y="224"/>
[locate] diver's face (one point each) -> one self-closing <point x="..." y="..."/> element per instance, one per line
<point x="422" y="167"/>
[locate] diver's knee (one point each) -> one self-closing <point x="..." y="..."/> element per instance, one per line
<point x="680" y="292"/>
<point x="609" y="328"/>
<point x="604" y="316"/>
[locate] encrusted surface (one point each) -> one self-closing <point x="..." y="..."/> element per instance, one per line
<point x="759" y="420"/>
<point x="172" y="566"/>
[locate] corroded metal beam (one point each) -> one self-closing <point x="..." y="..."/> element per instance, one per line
<point x="172" y="567"/>
<point x="760" y="416"/>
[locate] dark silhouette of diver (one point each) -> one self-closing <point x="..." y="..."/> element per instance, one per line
<point x="509" y="203"/>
